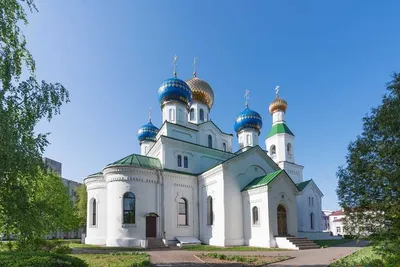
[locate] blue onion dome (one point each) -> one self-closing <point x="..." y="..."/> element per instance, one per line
<point x="174" y="89"/>
<point x="248" y="119"/>
<point x="147" y="132"/>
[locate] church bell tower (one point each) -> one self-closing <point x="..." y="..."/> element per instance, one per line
<point x="280" y="140"/>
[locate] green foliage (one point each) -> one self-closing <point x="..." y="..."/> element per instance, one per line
<point x="363" y="257"/>
<point x="81" y="204"/>
<point x="116" y="260"/>
<point x="31" y="259"/>
<point x="255" y="260"/>
<point x="28" y="193"/>
<point x="369" y="184"/>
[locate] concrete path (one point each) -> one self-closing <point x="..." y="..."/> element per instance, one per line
<point x="309" y="257"/>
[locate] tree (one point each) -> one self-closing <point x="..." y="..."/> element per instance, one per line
<point x="81" y="204"/>
<point x="369" y="184"/>
<point x="22" y="106"/>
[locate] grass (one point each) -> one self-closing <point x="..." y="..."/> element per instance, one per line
<point x="249" y="260"/>
<point x="237" y="248"/>
<point x="122" y="259"/>
<point x="363" y="257"/>
<point x="94" y="247"/>
<point x="331" y="242"/>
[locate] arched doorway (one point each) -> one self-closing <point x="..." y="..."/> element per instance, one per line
<point x="151" y="224"/>
<point x="282" y="220"/>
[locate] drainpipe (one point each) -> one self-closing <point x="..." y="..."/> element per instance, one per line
<point x="162" y="213"/>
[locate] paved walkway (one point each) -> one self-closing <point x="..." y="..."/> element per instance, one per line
<point x="309" y="257"/>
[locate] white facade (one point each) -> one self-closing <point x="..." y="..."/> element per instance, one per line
<point x="189" y="183"/>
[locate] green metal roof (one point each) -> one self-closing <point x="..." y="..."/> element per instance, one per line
<point x="139" y="161"/>
<point x="95" y="174"/>
<point x="262" y="180"/>
<point x="279" y="128"/>
<point x="302" y="185"/>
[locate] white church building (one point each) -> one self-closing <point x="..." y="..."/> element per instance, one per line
<point x="188" y="184"/>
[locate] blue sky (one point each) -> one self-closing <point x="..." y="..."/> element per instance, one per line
<point x="331" y="59"/>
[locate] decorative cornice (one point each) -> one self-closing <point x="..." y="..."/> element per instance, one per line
<point x="130" y="169"/>
<point x="255" y="191"/>
<point x="183" y="185"/>
<point x="130" y="178"/>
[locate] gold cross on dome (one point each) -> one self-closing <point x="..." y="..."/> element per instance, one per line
<point x="195" y="67"/>
<point x="175" y="60"/>
<point x="277" y="90"/>
<point x="246" y="97"/>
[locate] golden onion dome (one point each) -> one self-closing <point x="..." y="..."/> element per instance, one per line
<point x="278" y="104"/>
<point x="201" y="91"/>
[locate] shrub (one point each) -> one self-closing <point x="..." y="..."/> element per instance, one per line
<point x="36" y="259"/>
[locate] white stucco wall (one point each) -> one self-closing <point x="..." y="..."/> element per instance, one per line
<point x="305" y="207"/>
<point x="96" y="189"/>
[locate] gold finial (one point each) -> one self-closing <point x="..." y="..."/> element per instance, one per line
<point x="195" y="67"/>
<point x="246" y="96"/>
<point x="149" y="114"/>
<point x="277" y="91"/>
<point x="175" y="60"/>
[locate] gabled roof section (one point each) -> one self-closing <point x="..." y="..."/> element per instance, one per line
<point x="279" y="128"/>
<point x="262" y="180"/>
<point x="210" y="121"/>
<point x="303" y="185"/>
<point x="138" y="161"/>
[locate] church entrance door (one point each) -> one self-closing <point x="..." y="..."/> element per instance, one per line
<point x="151" y="226"/>
<point x="282" y="220"/>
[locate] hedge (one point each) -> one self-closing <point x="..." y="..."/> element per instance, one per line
<point x="39" y="259"/>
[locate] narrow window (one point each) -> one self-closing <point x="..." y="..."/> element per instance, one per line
<point x="312" y="201"/>
<point x="255" y="215"/>
<point x="273" y="150"/>
<point x="94" y="213"/>
<point x="312" y="220"/>
<point x="129" y="207"/>
<point x="185" y="162"/>
<point x="180" y="115"/>
<point x="224" y="146"/>
<point x="170" y="114"/>
<point x="201" y="114"/>
<point x="210" y="213"/>
<point x="289" y="149"/>
<point x="192" y="114"/>
<point x="210" y="141"/>
<point x="183" y="212"/>
<point x="248" y="139"/>
<point x="338" y="229"/>
<point x="179" y="161"/>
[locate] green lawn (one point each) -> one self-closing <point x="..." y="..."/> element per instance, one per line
<point x="94" y="247"/>
<point x="125" y="259"/>
<point x="363" y="257"/>
<point x="331" y="242"/>
<point x="238" y="248"/>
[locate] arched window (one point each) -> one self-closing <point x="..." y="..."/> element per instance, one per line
<point x="289" y="149"/>
<point x="129" y="207"/>
<point x="185" y="162"/>
<point x="224" y="146"/>
<point x="94" y="212"/>
<point x="312" y="220"/>
<point x="201" y="114"/>
<point x="183" y="212"/>
<point x="210" y="141"/>
<point x="255" y="215"/>
<point x="273" y="150"/>
<point x="192" y="114"/>
<point x="179" y="161"/>
<point x="210" y="212"/>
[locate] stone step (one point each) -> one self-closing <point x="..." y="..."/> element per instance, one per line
<point x="302" y="243"/>
<point x="155" y="243"/>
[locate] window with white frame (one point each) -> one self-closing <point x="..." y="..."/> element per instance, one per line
<point x="210" y="212"/>
<point x="183" y="212"/>
<point x="255" y="215"/>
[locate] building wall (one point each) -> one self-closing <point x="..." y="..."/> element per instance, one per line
<point x="256" y="234"/>
<point x="211" y="184"/>
<point x="309" y="201"/>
